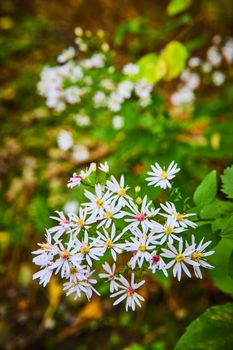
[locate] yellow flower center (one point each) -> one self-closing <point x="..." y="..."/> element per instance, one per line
<point x="168" y="230"/>
<point x="46" y="246"/>
<point x="122" y="192"/>
<point x="196" y="256"/>
<point x="73" y="270"/>
<point x="108" y="214"/>
<point x="179" y="216"/>
<point x="99" y="202"/>
<point x="85" y="249"/>
<point x="80" y="223"/>
<point x="179" y="257"/>
<point x="109" y="244"/>
<point x="64" y="254"/>
<point x="142" y="248"/>
<point x="163" y="175"/>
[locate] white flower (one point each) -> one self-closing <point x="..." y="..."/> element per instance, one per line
<point x="161" y="177"/>
<point x="110" y="275"/>
<point x="199" y="256"/>
<point x="70" y="207"/>
<point x="99" y="99"/>
<point x="194" y="62"/>
<point x="80" y="221"/>
<point x="213" y="56"/>
<point x="137" y="217"/>
<point x="45" y="273"/>
<point x="65" y="140"/>
<point x="82" y="286"/>
<point x="128" y="291"/>
<point x="218" y="78"/>
<point x="66" y="55"/>
<point x="157" y="263"/>
<point x="192" y="80"/>
<point x="117" y="122"/>
<point x="141" y="247"/>
<point x="118" y="191"/>
<point x="216" y="39"/>
<point x="110" y="212"/>
<point x="183" y="96"/>
<point x="73" y="94"/>
<point x="104" y="167"/>
<point x="77" y="273"/>
<point x="114" y="102"/>
<point x="76" y="179"/>
<point x="206" y="67"/>
<point x="68" y="257"/>
<point x="179" y="259"/>
<point x="108" y="241"/>
<point x="82" y="120"/>
<point x="86" y="250"/>
<point x="46" y="251"/>
<point x="64" y="225"/>
<point x="80" y="153"/>
<point x="181" y="219"/>
<point x="227" y="50"/>
<point x="107" y="84"/>
<point x="168" y="231"/>
<point x="130" y="69"/>
<point x="124" y="89"/>
<point x="98" y="202"/>
<point x="143" y="89"/>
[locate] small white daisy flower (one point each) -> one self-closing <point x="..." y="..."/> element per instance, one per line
<point x="110" y="276"/>
<point x="161" y="177"/>
<point x="128" y="291"/>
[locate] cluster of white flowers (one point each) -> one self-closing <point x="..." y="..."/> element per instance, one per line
<point x="114" y="221"/>
<point x="92" y="82"/>
<point x="212" y="66"/>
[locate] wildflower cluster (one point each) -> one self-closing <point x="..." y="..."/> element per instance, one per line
<point x="112" y="222"/>
<point x="207" y="70"/>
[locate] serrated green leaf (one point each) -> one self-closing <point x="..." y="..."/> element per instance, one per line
<point x="207" y="190"/>
<point x="211" y="331"/>
<point x="227" y="182"/>
<point x="227" y="231"/>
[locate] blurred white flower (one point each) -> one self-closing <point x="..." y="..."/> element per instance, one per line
<point x="104" y="167"/>
<point x="194" y="62"/>
<point x="66" y="55"/>
<point x="114" y="102"/>
<point x="70" y="207"/>
<point x="213" y="56"/>
<point x="218" y="78"/>
<point x="80" y="153"/>
<point x="227" y="50"/>
<point x="125" y="89"/>
<point x="130" y="69"/>
<point x="117" y="122"/>
<point x="99" y="99"/>
<point x="82" y="119"/>
<point x="65" y="140"/>
<point x="206" y="67"/>
<point x="183" y="96"/>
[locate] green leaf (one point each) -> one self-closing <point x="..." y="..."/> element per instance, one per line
<point x="216" y="209"/>
<point x="211" y="331"/>
<point x="176" y="6"/>
<point x="173" y="57"/>
<point x="230" y="265"/>
<point x="151" y="68"/>
<point x="227" y="231"/>
<point x="227" y="182"/>
<point x="207" y="190"/>
<point x="220" y="261"/>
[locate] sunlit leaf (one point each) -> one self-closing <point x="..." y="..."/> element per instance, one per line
<point x="176" y="6"/>
<point x="206" y="191"/>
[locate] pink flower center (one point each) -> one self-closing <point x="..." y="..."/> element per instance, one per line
<point x="65" y="222"/>
<point x="78" y="177"/>
<point x="140" y="217"/>
<point x="155" y="259"/>
<point x="129" y="291"/>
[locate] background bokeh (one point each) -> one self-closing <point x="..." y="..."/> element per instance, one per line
<point x="33" y="173"/>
